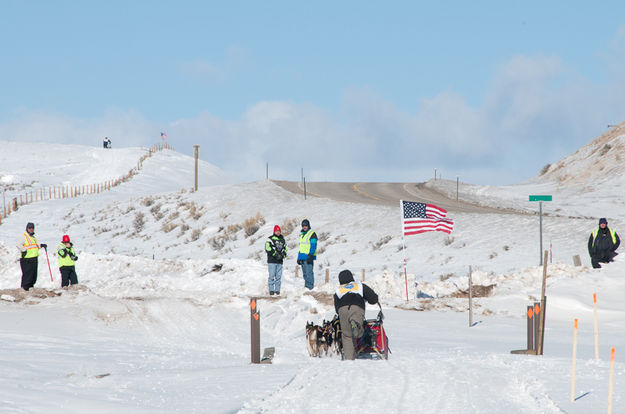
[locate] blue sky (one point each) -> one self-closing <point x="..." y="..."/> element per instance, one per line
<point x="346" y="90"/>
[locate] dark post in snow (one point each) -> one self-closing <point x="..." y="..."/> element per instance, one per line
<point x="255" y="331"/>
<point x="304" y="188"/>
<point x="196" y="155"/>
<point x="540" y="213"/>
<point x="540" y="199"/>
<point x="530" y="328"/>
<point x="537" y="312"/>
<point x="470" y="297"/>
<point x="543" y="309"/>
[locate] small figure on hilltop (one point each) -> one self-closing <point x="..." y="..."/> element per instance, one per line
<point x="602" y="244"/>
<point x="276" y="249"/>
<point x="67" y="262"/>
<point x="306" y="256"/>
<point x="29" y="254"/>
<point x="349" y="303"/>
<point x="107" y="142"/>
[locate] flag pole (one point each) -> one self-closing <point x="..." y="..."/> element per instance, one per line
<point x="403" y="242"/>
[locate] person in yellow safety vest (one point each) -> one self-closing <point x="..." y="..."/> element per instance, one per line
<point x="602" y="244"/>
<point x="29" y="253"/>
<point x="307" y="253"/>
<point x="67" y="259"/>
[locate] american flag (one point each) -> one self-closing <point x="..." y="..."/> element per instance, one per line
<point x="163" y="136"/>
<point x="421" y="217"/>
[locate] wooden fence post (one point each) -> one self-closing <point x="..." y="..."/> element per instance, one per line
<point x="327" y="275"/>
<point x="543" y="305"/>
<point x="594" y="312"/>
<point x="611" y="385"/>
<point x="573" y="363"/>
<point x="530" y="328"/>
<point x="470" y="297"/>
<point x="255" y="331"/>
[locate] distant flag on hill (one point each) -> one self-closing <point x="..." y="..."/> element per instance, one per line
<point x="163" y="136"/>
<point x="421" y="217"/>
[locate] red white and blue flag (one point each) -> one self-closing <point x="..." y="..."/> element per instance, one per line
<point x="163" y="136"/>
<point x="421" y="217"/>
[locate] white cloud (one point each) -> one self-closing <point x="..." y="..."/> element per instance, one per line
<point x="535" y="111"/>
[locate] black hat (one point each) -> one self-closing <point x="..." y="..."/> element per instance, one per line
<point x="603" y="220"/>
<point x="306" y="223"/>
<point x="345" y="277"/>
<point x="30" y="226"/>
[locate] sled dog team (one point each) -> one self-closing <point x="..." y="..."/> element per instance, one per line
<point x="324" y="339"/>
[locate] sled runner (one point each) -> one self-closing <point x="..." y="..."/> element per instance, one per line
<point x="373" y="344"/>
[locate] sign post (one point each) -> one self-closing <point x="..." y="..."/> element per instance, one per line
<point x="540" y="199"/>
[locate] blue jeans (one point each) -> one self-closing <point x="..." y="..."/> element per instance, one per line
<point x="309" y="276"/>
<point x="275" y="276"/>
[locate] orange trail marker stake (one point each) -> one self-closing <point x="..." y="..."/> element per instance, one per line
<point x="594" y="306"/>
<point x="611" y="387"/>
<point x="573" y="364"/>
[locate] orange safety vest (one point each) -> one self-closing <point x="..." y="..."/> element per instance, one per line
<point x="32" y="248"/>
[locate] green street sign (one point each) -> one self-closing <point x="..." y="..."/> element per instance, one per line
<point x="540" y="198"/>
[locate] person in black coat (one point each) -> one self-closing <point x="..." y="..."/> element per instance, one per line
<point x="602" y="244"/>
<point x="276" y="249"/>
<point x="349" y="303"/>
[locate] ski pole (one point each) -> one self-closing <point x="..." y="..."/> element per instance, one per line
<point x="46" y="249"/>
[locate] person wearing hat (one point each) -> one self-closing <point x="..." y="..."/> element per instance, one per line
<point x="67" y="262"/>
<point x="602" y="244"/>
<point x="276" y="249"/>
<point x="29" y="253"/>
<point x="307" y="253"/>
<point x="349" y="303"/>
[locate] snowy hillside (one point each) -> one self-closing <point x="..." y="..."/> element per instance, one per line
<point x="583" y="184"/>
<point x="160" y="321"/>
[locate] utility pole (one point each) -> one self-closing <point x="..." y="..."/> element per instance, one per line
<point x="304" y="188"/>
<point x="196" y="155"/>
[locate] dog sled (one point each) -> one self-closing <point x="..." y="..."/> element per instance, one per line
<point x="373" y="344"/>
<point x="326" y="339"/>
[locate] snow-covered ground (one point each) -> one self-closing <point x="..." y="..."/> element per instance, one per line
<point x="160" y="321"/>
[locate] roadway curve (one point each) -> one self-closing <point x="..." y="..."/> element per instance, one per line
<point x="387" y="194"/>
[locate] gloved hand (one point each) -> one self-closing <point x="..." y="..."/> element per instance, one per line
<point x="44" y="246"/>
<point x="74" y="258"/>
<point x="310" y="259"/>
<point x="300" y="262"/>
